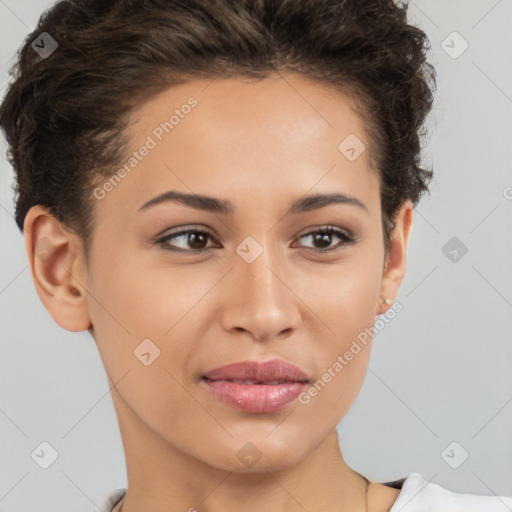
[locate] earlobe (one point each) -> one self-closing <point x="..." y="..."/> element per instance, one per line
<point x="58" y="268"/>
<point x="395" y="267"/>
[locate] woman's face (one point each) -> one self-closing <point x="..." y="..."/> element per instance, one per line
<point x="259" y="286"/>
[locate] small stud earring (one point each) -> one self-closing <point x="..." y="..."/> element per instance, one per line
<point x="387" y="300"/>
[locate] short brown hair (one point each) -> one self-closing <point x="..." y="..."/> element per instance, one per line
<point x="64" y="116"/>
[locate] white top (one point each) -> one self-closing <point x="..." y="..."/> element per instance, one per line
<point x="416" y="495"/>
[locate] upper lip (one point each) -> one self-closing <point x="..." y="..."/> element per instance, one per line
<point x="268" y="371"/>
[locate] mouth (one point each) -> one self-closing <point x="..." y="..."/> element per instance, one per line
<point x="255" y="386"/>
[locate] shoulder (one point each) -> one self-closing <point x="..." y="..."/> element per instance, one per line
<point x="419" y="495"/>
<point x="109" y="501"/>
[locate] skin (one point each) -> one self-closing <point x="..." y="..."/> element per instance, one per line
<point x="260" y="145"/>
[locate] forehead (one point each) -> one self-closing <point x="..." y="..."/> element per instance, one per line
<point x="305" y="107"/>
<point x="280" y="135"/>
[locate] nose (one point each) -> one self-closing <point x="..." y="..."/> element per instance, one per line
<point x="263" y="300"/>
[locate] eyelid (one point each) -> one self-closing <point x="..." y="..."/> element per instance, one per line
<point x="326" y="227"/>
<point x="186" y="229"/>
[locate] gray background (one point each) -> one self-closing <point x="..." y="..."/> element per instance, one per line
<point x="439" y="372"/>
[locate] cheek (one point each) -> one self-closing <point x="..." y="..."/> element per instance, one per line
<point x="135" y="301"/>
<point x="345" y="296"/>
<point x="346" y="302"/>
<point x="134" y="309"/>
<point x="343" y="356"/>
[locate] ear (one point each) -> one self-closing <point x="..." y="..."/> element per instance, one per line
<point x="395" y="264"/>
<point x="58" y="268"/>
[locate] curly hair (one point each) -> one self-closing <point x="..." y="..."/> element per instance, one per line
<point x="64" y="116"/>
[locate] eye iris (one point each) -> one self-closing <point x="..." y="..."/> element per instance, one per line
<point x="195" y="237"/>
<point x="323" y="237"/>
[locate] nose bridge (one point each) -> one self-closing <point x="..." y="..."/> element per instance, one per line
<point x="262" y="303"/>
<point x="256" y="275"/>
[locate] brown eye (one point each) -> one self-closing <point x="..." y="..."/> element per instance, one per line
<point x="195" y="238"/>
<point x="323" y="238"/>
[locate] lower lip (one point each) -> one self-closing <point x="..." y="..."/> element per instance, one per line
<point x="255" y="397"/>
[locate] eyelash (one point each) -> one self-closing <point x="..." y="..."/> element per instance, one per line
<point x="346" y="239"/>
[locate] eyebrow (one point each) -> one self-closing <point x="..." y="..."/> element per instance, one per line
<point x="222" y="206"/>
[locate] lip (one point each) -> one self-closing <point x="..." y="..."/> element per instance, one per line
<point x="267" y="371"/>
<point x="264" y="397"/>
